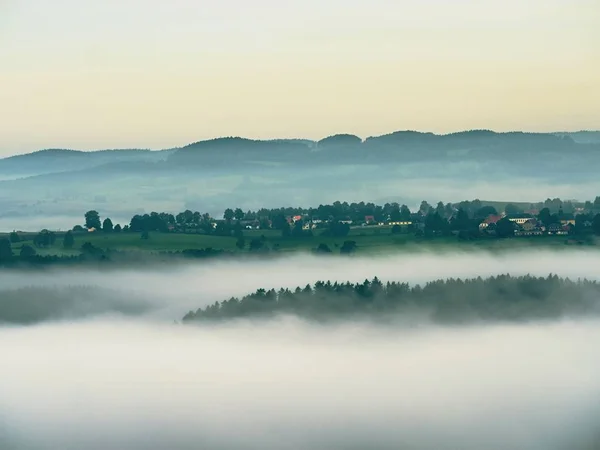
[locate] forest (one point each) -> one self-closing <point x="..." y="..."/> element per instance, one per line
<point x="497" y="298"/>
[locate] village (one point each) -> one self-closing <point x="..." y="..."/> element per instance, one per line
<point x="530" y="223"/>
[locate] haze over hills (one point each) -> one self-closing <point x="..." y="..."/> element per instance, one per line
<point x="51" y="188"/>
<point x="400" y="144"/>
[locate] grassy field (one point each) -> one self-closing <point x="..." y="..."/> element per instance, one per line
<point x="371" y="240"/>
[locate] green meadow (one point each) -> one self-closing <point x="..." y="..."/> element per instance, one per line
<point x="369" y="240"/>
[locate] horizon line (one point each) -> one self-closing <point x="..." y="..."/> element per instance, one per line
<point x="293" y="139"/>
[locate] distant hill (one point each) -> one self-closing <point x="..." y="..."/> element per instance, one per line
<point x="61" y="160"/>
<point x="339" y="140"/>
<point x="534" y="149"/>
<point x="231" y="150"/>
<point x="582" y="137"/>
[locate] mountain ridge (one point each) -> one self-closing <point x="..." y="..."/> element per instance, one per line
<point x="397" y="133"/>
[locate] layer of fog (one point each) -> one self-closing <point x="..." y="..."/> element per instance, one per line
<point x="63" y="202"/>
<point x="172" y="290"/>
<point x="289" y="385"/>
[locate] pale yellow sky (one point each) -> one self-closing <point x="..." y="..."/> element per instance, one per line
<point x="156" y="74"/>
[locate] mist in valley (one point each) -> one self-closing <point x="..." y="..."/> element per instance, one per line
<point x="110" y="379"/>
<point x="167" y="292"/>
<point x="64" y="201"/>
<point x="209" y="176"/>
<point x="292" y="385"/>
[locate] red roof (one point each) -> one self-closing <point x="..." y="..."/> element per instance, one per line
<point x="492" y="219"/>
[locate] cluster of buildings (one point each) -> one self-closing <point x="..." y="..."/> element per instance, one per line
<point x="525" y="224"/>
<point x="529" y="225"/>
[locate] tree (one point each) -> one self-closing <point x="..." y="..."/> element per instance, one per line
<point x="14" y="237"/>
<point x="405" y="213"/>
<point x="6" y="252"/>
<point x="440" y="209"/>
<point x="505" y="228"/>
<point x="545" y="217"/>
<point x="228" y="215"/>
<point x="286" y="230"/>
<point x="511" y="209"/>
<point x="92" y="220"/>
<point x="434" y="223"/>
<point x="298" y="230"/>
<point x="596" y="224"/>
<point x="238" y="230"/>
<point x="339" y="229"/>
<point x="145" y="235"/>
<point x="485" y="211"/>
<point x="257" y="245"/>
<point x="348" y="247"/>
<point x="395" y="213"/>
<point x="238" y="214"/>
<point x="44" y="238"/>
<point x="27" y="251"/>
<point x="323" y="248"/>
<point x="117" y="228"/>
<point x="137" y="223"/>
<point x="68" y="240"/>
<point x="107" y="225"/>
<point x="396" y="229"/>
<point x="78" y="229"/>
<point x="461" y="220"/>
<point x="424" y="208"/>
<point x="90" y="249"/>
<point x="240" y="243"/>
<point x="279" y="222"/>
<point x="223" y="229"/>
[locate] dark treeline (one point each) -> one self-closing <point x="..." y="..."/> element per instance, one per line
<point x="500" y="298"/>
<point x="97" y="257"/>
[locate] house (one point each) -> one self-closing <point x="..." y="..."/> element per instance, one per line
<point x="557" y="229"/>
<point x="402" y="223"/>
<point x="369" y="219"/>
<point x="529" y="228"/>
<point x="296" y="218"/>
<point x="520" y="219"/>
<point x="567" y="219"/>
<point x="491" y="219"/>
<point x="529" y="225"/>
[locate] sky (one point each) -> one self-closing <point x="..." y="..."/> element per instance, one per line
<point x="156" y="74"/>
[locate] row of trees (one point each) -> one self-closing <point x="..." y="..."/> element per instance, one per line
<point x="43" y="239"/>
<point x="455" y="300"/>
<point x="439" y="219"/>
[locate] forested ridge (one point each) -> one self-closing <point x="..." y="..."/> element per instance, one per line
<point x="498" y="298"/>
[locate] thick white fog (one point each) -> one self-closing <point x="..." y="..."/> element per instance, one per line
<point x="291" y="385"/>
<point x="175" y="290"/>
<point x="144" y="382"/>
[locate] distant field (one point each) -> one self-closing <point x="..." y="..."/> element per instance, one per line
<point x="370" y="240"/>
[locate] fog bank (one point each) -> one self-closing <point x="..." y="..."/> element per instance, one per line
<point x="171" y="291"/>
<point x="290" y="385"/>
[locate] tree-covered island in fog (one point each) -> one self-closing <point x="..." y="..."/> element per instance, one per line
<point x="499" y="298"/>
